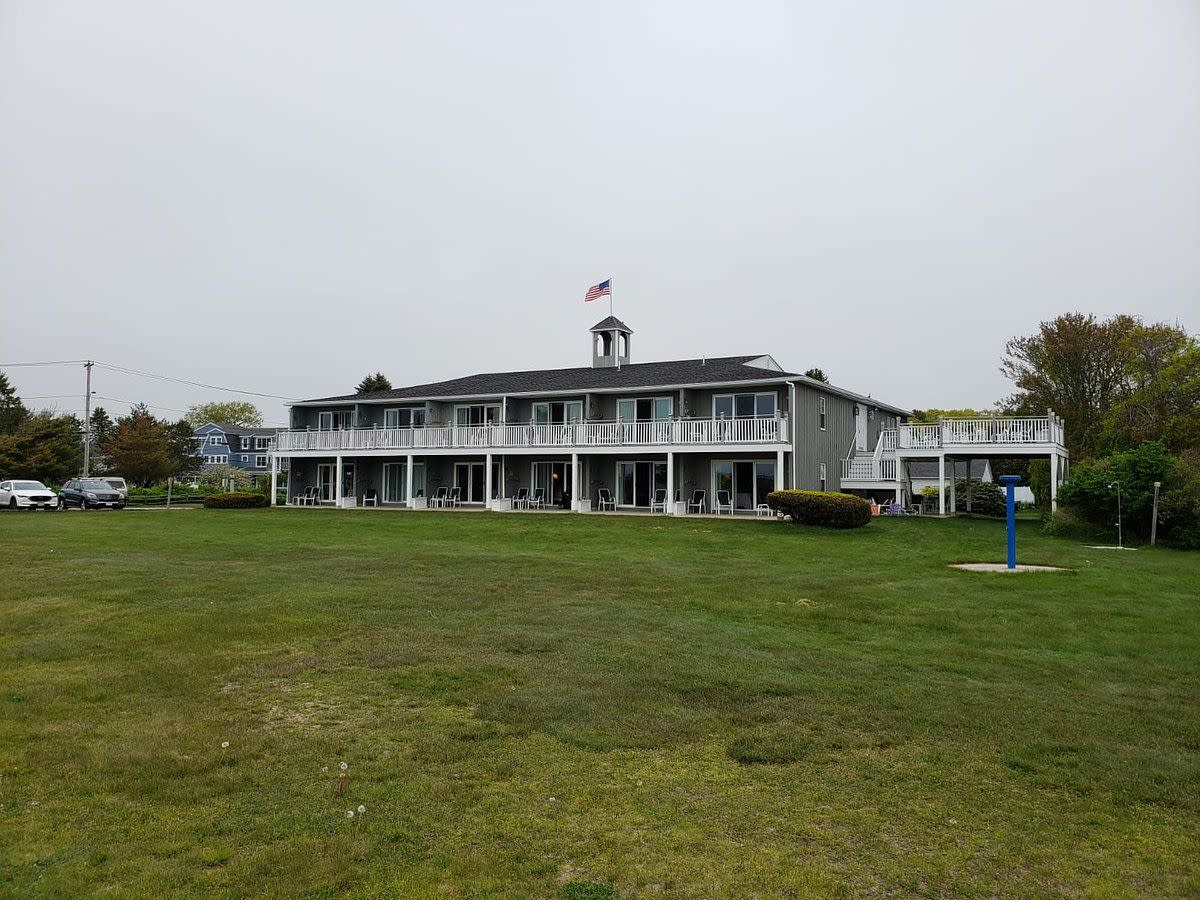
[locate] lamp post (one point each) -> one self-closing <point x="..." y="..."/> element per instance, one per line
<point x="1120" y="538"/>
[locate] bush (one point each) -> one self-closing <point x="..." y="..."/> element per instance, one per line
<point x="987" y="497"/>
<point x="1179" y="504"/>
<point x="821" y="508"/>
<point x="235" y="501"/>
<point x="1068" y="523"/>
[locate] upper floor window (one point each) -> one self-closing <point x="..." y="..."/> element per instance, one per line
<point x="245" y="442"/>
<point x="404" y="418"/>
<point x="821" y="413"/>
<point x="216" y="440"/>
<point x="744" y="406"/>
<point x="335" y="419"/>
<point x="555" y="412"/>
<point x="645" y="409"/>
<point x="262" y="443"/>
<point x="478" y="414"/>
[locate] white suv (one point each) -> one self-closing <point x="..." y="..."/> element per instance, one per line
<point x="26" y="495"/>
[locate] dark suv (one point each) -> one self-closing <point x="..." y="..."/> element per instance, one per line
<point x="89" y="493"/>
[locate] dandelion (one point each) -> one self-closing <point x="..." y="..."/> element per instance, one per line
<point x="324" y="768"/>
<point x="551" y="799"/>
<point x="349" y="814"/>
<point x="342" y="766"/>
<point x="224" y="745"/>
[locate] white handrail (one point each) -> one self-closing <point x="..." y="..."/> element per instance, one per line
<point x="993" y="430"/>
<point x="582" y="434"/>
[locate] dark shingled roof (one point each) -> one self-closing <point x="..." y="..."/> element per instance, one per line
<point x="609" y="324"/>
<point x="583" y="378"/>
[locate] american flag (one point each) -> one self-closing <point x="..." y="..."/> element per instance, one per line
<point x="596" y="291"/>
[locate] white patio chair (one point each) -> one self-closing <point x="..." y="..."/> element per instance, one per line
<point x="659" y="502"/>
<point x="724" y="503"/>
<point x="537" y="500"/>
<point x="697" y="503"/>
<point x="455" y="497"/>
<point x="520" y="499"/>
<point x="439" y="497"/>
<point x="604" y="500"/>
<point x="370" y="496"/>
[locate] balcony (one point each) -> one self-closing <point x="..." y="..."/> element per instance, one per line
<point x="1006" y="431"/>
<point x="687" y="433"/>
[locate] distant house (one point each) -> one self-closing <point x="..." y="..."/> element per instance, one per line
<point x="924" y="473"/>
<point x="237" y="446"/>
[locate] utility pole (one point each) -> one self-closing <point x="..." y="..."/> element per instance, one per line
<point x="87" y="418"/>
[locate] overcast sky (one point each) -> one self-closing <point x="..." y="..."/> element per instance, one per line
<point x="283" y="196"/>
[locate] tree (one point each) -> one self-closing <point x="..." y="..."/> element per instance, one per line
<point x="376" y="382"/>
<point x="931" y="416"/>
<point x="44" y="447"/>
<point x="229" y="412"/>
<point x="146" y="451"/>
<point x="1161" y="399"/>
<point x="1074" y="365"/>
<point x="12" y="410"/>
<point x="816" y="375"/>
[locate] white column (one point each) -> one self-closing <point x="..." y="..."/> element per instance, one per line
<point x="503" y="465"/>
<point x="1053" y="482"/>
<point x="669" y="506"/>
<point x="969" y="484"/>
<point x="942" y="484"/>
<point x="487" y="481"/>
<point x="575" y="482"/>
<point x="274" y="477"/>
<point x="900" y="480"/>
<point x="408" y="481"/>
<point x="953" y="479"/>
<point x="337" y="482"/>
<point x="779" y="470"/>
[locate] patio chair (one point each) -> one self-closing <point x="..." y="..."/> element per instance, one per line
<point x="724" y="503"/>
<point x="370" y="496"/>
<point x="440" y="496"/>
<point x="604" y="500"/>
<point x="520" y="499"/>
<point x="308" y="496"/>
<point x="659" y="502"/>
<point x="697" y="503"/>
<point x="455" y="497"/>
<point x="537" y="500"/>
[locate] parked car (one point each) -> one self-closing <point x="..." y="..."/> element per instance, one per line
<point x="26" y="495"/>
<point x="89" y="493"/>
<point x="118" y="484"/>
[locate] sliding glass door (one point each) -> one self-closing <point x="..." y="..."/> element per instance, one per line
<point x="747" y="482"/>
<point x="471" y="480"/>
<point x="554" y="479"/>
<point x="395" y="481"/>
<point x="637" y="482"/>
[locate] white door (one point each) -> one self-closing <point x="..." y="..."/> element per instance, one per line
<point x="860" y="427"/>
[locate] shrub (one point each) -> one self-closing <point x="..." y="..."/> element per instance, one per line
<point x="929" y="493"/>
<point x="1179" y="504"/>
<point x="987" y="497"/>
<point x="235" y="501"/>
<point x="1068" y="523"/>
<point x="821" y="508"/>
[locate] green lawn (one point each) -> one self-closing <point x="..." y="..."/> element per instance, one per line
<point x="550" y="705"/>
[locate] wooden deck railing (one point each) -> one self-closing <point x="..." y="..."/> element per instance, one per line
<point x="584" y="434"/>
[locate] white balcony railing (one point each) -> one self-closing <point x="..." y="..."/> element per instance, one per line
<point x="869" y="468"/>
<point x="502" y="437"/>
<point x="967" y="432"/>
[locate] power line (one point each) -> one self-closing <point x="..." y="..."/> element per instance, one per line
<point x="128" y="371"/>
<point x="211" y="387"/>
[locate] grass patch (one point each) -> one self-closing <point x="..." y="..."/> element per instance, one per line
<point x="550" y="705"/>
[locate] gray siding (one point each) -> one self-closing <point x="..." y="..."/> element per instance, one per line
<point x="815" y="446"/>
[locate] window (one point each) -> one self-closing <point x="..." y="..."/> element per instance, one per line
<point x="216" y="440"/>
<point x="479" y="414"/>
<point x="823" y="476"/>
<point x="245" y="442"/>
<point x="870" y="413"/>
<point x="333" y="420"/>
<point x="260" y="461"/>
<point x="645" y="409"/>
<point x="262" y="443"/>
<point x="821" y="412"/>
<point x="404" y="418"/>
<point x="744" y="406"/>
<point x="567" y="412"/>
<point x="245" y="458"/>
<point x="214" y="460"/>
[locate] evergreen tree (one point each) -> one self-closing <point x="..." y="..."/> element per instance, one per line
<point x="376" y="382"/>
<point x="12" y="410"/>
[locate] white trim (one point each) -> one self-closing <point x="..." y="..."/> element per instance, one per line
<point x="823" y="477"/>
<point x="733" y="395"/>
<point x="653" y="399"/>
<point x="499" y="407"/>
<point x="261" y="460"/>
<point x="822" y="413"/>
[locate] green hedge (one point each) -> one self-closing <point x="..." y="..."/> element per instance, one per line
<point x="235" y="501"/>
<point x="827" y="508"/>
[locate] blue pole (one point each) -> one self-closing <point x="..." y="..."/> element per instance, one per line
<point x="1010" y="484"/>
